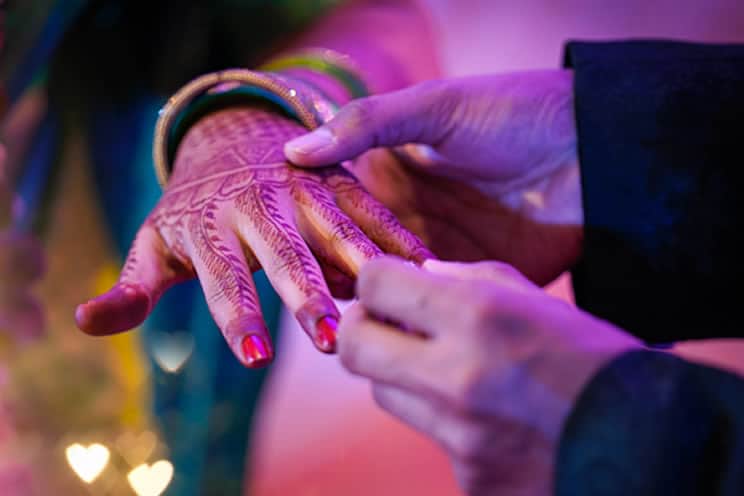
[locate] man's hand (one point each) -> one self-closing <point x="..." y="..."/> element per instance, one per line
<point x="234" y="205"/>
<point x="479" y="359"/>
<point x="492" y="172"/>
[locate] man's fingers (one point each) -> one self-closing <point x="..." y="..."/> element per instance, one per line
<point x="392" y="289"/>
<point x="419" y="114"/>
<point x="413" y="409"/>
<point x="497" y="272"/>
<point x="231" y="294"/>
<point x="147" y="273"/>
<point x="379" y="223"/>
<point x="289" y="264"/>
<point x="381" y="352"/>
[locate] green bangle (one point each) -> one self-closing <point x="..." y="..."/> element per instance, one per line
<point x="325" y="61"/>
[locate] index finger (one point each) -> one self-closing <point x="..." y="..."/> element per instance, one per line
<point x="417" y="114"/>
<point x="374" y="350"/>
<point x="394" y="289"/>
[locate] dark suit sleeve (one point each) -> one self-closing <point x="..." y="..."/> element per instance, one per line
<point x="661" y="148"/>
<point x="651" y="424"/>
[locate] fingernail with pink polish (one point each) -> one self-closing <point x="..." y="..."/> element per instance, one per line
<point x="326" y="331"/>
<point x="255" y="351"/>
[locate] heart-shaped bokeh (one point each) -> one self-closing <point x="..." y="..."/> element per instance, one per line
<point x="151" y="480"/>
<point x="87" y="462"/>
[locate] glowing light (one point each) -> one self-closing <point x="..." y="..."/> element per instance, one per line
<point x="87" y="463"/>
<point x="151" y="480"/>
<point x="172" y="351"/>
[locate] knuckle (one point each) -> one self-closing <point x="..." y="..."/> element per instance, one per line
<point x="479" y="314"/>
<point x="442" y="98"/>
<point x="469" y="388"/>
<point x="468" y="445"/>
<point x="357" y="114"/>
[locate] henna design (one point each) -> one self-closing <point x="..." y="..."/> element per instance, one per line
<point x="341" y="230"/>
<point x="221" y="262"/>
<point x="376" y="220"/>
<point x="260" y="205"/>
<point x="231" y="165"/>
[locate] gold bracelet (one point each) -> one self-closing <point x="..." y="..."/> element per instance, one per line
<point x="302" y="102"/>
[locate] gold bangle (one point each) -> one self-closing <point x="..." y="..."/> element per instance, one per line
<point x="297" y="98"/>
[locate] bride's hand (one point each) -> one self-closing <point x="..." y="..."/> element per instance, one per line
<point x="234" y="205"/>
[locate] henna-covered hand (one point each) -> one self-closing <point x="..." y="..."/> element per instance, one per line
<point x="234" y="205"/>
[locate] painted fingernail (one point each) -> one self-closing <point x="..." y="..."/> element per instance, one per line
<point x="311" y="143"/>
<point x="326" y="331"/>
<point x="255" y="351"/>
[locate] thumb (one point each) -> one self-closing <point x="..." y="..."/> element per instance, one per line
<point x="419" y="114"/>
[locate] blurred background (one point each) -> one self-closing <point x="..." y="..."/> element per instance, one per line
<point x="79" y="416"/>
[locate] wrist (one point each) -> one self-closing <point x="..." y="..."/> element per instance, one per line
<point x="306" y="100"/>
<point x="296" y="99"/>
<point x="220" y="140"/>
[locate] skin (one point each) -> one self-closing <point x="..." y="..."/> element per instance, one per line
<point x="234" y="204"/>
<point x="475" y="355"/>
<point x="499" y="151"/>
<point x="488" y="382"/>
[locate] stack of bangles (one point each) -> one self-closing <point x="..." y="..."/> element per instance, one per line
<point x="309" y="86"/>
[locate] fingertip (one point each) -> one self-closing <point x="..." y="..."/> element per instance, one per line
<point x="376" y="272"/>
<point x="326" y="333"/>
<point x="437" y="266"/>
<point x="249" y="340"/>
<point x="120" y="309"/>
<point x="319" y="318"/>
<point x="311" y="149"/>
<point x="293" y="154"/>
<point x="255" y="351"/>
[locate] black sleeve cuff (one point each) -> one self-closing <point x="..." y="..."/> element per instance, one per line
<point x="660" y="128"/>
<point x="652" y="424"/>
